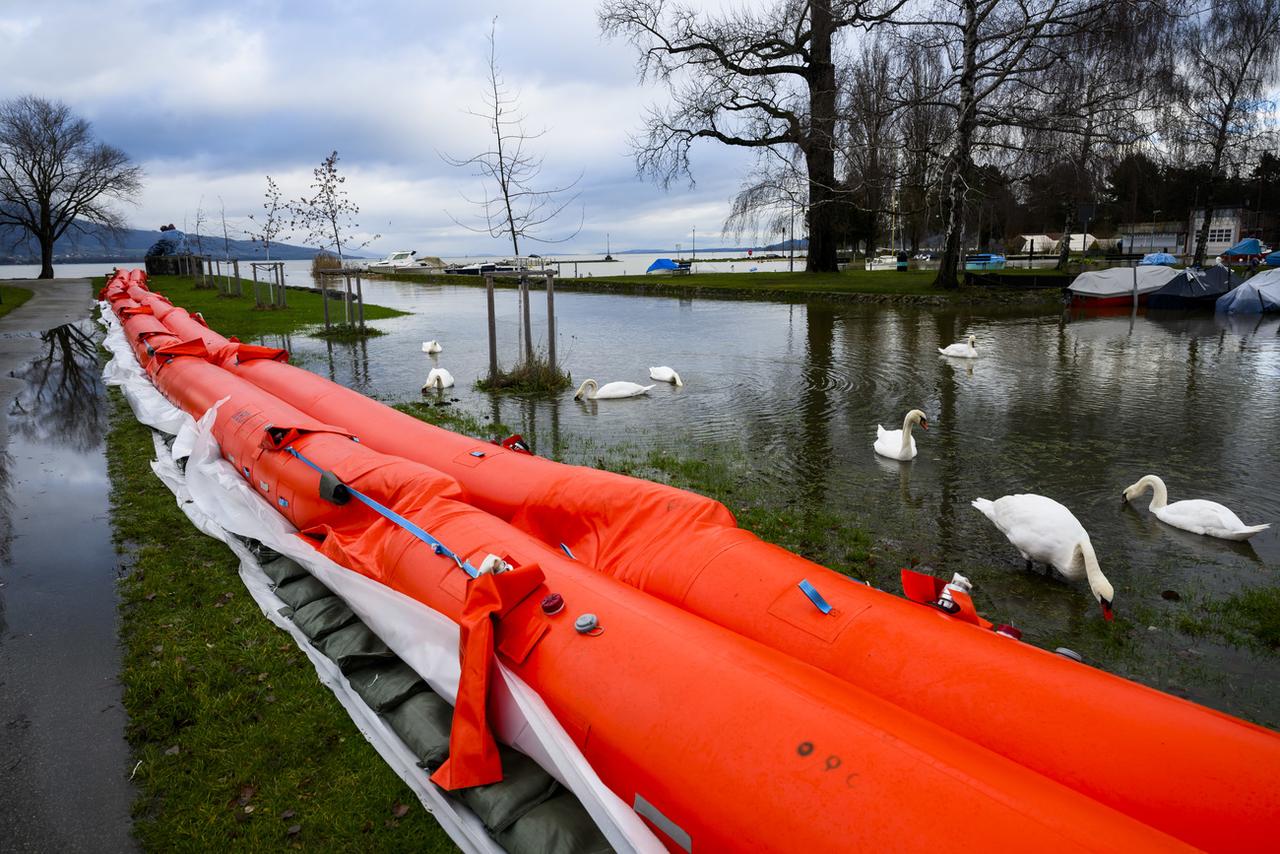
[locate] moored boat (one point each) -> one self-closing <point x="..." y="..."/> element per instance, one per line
<point x="1117" y="285"/>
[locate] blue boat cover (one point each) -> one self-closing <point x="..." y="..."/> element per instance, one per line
<point x="1192" y="288"/>
<point x="1161" y="258"/>
<point x="1272" y="260"/>
<point x="1248" y="246"/>
<point x="1257" y="295"/>
<point x="663" y="264"/>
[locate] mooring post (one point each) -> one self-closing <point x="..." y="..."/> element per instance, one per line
<point x="493" y="327"/>
<point x="257" y="293"/>
<point x="239" y="287"/>
<point x="346" y="300"/>
<point x="528" y="328"/>
<point x="551" y="319"/>
<point x="360" y="300"/>
<point x="324" y="300"/>
<point x="284" y="296"/>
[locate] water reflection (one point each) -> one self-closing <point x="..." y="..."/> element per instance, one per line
<point x="61" y="401"/>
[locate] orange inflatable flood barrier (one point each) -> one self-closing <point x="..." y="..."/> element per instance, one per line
<point x="1036" y="734"/>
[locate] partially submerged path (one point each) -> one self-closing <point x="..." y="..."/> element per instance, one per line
<point x="63" y="757"/>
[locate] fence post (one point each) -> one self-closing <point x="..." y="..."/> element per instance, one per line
<point x="239" y="287"/>
<point x="493" y="327"/>
<point x="528" y="329"/>
<point x="360" y="300"/>
<point x="551" y="319"/>
<point x="283" y="294"/>
<point x="324" y="299"/>
<point x="346" y="301"/>
<point x="257" y="294"/>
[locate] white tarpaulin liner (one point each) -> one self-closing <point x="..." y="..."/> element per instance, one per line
<point x="1118" y="281"/>
<point x="218" y="501"/>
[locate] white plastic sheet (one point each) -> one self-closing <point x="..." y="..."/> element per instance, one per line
<point x="218" y="501"/>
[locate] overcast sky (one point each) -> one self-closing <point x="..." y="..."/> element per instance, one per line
<point x="211" y="96"/>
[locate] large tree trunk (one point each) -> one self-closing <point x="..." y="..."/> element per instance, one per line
<point x="1202" y="235"/>
<point x="1064" y="245"/>
<point x="820" y="151"/>
<point x="958" y="169"/>
<point x="46" y="256"/>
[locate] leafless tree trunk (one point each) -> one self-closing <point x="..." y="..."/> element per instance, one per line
<point x="55" y="178"/>
<point x="272" y="224"/>
<point x="328" y="214"/>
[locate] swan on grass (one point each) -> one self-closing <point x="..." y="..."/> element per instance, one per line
<point x="665" y="375"/>
<point x="432" y="346"/>
<point x="610" y="391"/>
<point x="899" y="444"/>
<point x="1195" y="515"/>
<point x="438" y="378"/>
<point x="962" y="351"/>
<point x="1044" y="531"/>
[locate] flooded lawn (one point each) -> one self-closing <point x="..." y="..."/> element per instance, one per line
<point x="1073" y="407"/>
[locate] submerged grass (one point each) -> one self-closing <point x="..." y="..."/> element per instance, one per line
<point x="1249" y="618"/>
<point x="12" y="297"/>
<point x="238" y="744"/>
<point x="532" y="377"/>
<point x="238" y="315"/>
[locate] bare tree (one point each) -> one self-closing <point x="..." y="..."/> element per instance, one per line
<point x="199" y="223"/>
<point x="519" y="209"/>
<point x="272" y="225"/>
<point x="1229" y="53"/>
<point x="55" y="178"/>
<point x="870" y="148"/>
<point x="226" y="236"/>
<point x="750" y="79"/>
<point x="328" y="213"/>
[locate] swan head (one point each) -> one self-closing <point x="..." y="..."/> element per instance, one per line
<point x="916" y="416"/>
<point x="1098" y="584"/>
<point x="972" y="340"/>
<point x="676" y="379"/>
<point x="1144" y="483"/>
<point x="582" y="389"/>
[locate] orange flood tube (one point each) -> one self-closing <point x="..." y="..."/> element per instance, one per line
<point x="1112" y="740"/>
<point x="724" y="744"/>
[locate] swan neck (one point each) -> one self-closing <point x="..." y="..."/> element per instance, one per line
<point x="1159" y="494"/>
<point x="906" y="433"/>
<point x="1091" y="568"/>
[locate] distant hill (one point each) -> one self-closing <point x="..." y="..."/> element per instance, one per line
<point x="132" y="245"/>
<point x="773" y="247"/>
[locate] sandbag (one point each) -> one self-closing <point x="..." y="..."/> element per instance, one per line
<point x="354" y="647"/>
<point x="282" y="570"/>
<point x="323" y="617"/>
<point x="558" y="825"/>
<point x="523" y="786"/>
<point x="301" y="591"/>
<point x="386" y="685"/>
<point x="423" y="722"/>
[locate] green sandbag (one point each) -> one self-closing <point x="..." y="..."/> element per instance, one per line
<point x="282" y="570"/>
<point x="301" y="591"/>
<point x="523" y="786"/>
<point x="422" y="722"/>
<point x="354" y="647"/>
<point x="559" y="825"/>
<point x="385" y="686"/>
<point x="323" y="617"/>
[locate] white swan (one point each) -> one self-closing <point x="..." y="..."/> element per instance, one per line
<point x="1045" y="531"/>
<point x="610" y="391"/>
<point x="899" y="444"/>
<point x="1195" y="515"/>
<point x="961" y="351"/>
<point x="438" y="378"/>
<point x="432" y="346"/>
<point x="665" y="375"/>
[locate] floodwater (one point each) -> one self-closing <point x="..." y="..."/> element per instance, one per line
<point x="1073" y="407"/>
<point x="63" y="758"/>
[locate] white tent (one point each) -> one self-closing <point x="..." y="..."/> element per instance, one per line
<point x="1118" y="281"/>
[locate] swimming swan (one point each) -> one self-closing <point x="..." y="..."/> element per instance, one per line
<point x="438" y="378"/>
<point x="665" y="375"/>
<point x="431" y="346"/>
<point x="610" y="391"/>
<point x="1045" y="531"/>
<point x="1195" y="515"/>
<point x="962" y="351"/>
<point x="899" y="444"/>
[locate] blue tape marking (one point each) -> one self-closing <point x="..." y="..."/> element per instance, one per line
<point x="814" y="596"/>
<point x="565" y="549"/>
<point x="387" y="513"/>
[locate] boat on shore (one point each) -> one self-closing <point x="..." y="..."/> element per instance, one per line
<point x="400" y="261"/>
<point x="1117" y="285"/>
<point x="983" y="261"/>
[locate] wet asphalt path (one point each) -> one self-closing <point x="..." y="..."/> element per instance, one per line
<point x="64" y="763"/>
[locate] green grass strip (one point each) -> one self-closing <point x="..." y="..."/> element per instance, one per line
<point x="11" y="297"/>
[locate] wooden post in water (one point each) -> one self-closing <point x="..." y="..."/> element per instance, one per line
<point x="324" y="300"/>
<point x="280" y="288"/>
<point x="528" y="328"/>
<point x="493" y="327"/>
<point x="551" y="319"/>
<point x="360" y="300"/>
<point x="346" y="298"/>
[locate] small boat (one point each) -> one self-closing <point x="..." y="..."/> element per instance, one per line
<point x="1258" y="295"/>
<point x="397" y="262"/>
<point x="1116" y="286"/>
<point x="521" y="264"/>
<point x="983" y="261"/>
<point x="883" y="262"/>
<point x="1194" y="289"/>
<point x="675" y="268"/>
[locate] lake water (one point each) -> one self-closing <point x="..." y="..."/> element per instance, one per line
<point x="1073" y="407"/>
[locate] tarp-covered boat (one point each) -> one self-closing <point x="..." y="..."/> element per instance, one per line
<point x="1257" y="295"/>
<point x="1194" y="288"/>
<point x="885" y="651"/>
<point x="1116" y="285"/>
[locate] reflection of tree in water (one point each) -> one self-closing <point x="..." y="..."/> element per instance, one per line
<point x="62" y="401"/>
<point x="6" y="512"/>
